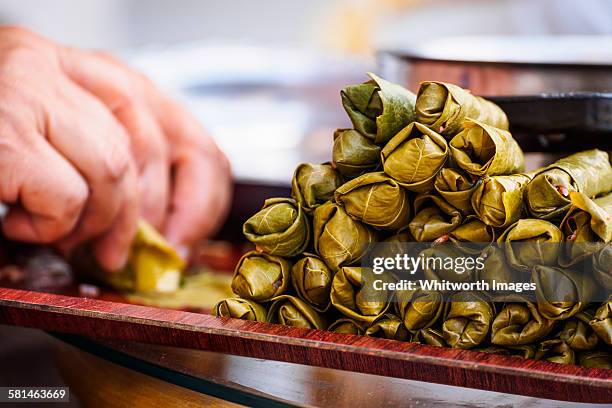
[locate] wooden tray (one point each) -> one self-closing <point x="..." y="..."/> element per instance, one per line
<point x="111" y="320"/>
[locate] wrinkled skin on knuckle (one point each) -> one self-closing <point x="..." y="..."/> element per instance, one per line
<point x="126" y="100"/>
<point x="116" y="163"/>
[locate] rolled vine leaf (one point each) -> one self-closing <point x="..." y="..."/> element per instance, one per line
<point x="293" y="311"/>
<point x="587" y="227"/>
<point x="602" y="322"/>
<point x="498" y="200"/>
<point x="468" y="320"/>
<point x="239" y="308"/>
<point x="414" y="156"/>
<point x="561" y="293"/>
<point x="347" y="326"/>
<point x="388" y="326"/>
<point x="260" y="277"/>
<point x="483" y="150"/>
<point x="378" y="109"/>
<point x="153" y="265"/>
<point x="392" y="245"/>
<point x="555" y="351"/>
<point x="339" y="239"/>
<point x="354" y="154"/>
<point x="602" y="267"/>
<point x="314" y="184"/>
<point x="471" y="233"/>
<point x="279" y="228"/>
<point x="375" y="199"/>
<point x="312" y="280"/>
<point x="349" y="297"/>
<point x="430" y="336"/>
<point x="519" y="322"/>
<point x="442" y="264"/>
<point x="530" y="242"/>
<point x="595" y="359"/>
<point x="548" y="195"/>
<point x="577" y="332"/>
<point x="420" y="309"/>
<point x="456" y="187"/>
<point x="445" y="107"/>
<point x="401" y="237"/>
<point x="495" y="268"/>
<point x="433" y="218"/>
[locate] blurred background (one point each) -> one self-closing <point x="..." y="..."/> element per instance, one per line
<point x="264" y="76"/>
<point x="354" y="26"/>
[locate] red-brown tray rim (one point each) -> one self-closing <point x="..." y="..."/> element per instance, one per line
<point x="111" y="320"/>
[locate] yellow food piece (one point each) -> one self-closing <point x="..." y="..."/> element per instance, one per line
<point x="200" y="291"/>
<point x="153" y="265"/>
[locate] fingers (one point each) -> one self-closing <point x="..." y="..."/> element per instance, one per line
<point x="198" y="205"/>
<point x="124" y="93"/>
<point x="99" y="76"/>
<point x="90" y="138"/>
<point x="202" y="181"/>
<point x="202" y="184"/>
<point x="113" y="247"/>
<point x="50" y="192"/>
<point x="67" y="169"/>
<point x="151" y="154"/>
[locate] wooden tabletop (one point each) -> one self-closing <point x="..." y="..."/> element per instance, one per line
<point x="258" y="382"/>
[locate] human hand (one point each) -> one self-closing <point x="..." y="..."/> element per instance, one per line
<point x="88" y="146"/>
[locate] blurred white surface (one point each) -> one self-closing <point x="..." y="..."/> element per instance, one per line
<point x="429" y="19"/>
<point x="268" y="108"/>
<point x="124" y="24"/>
<point x="565" y="49"/>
